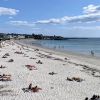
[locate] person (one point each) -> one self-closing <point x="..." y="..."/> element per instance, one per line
<point x="30" y="86"/>
<point x="0" y="43"/>
<point x="92" y="53"/>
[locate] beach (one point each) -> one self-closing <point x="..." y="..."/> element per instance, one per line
<point x="53" y="75"/>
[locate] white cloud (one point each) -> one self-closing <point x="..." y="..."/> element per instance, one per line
<point x="21" y="23"/>
<point x="92" y="14"/>
<point x="10" y="17"/>
<point x="91" y="9"/>
<point x="53" y="20"/>
<point x="74" y="19"/>
<point x="8" y="11"/>
<point x="88" y="17"/>
<point x="85" y="27"/>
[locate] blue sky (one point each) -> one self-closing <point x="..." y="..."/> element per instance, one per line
<point x="70" y="18"/>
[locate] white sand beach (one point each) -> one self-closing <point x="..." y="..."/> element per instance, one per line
<point x="57" y="76"/>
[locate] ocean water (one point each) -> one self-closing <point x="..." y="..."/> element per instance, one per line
<point x="82" y="46"/>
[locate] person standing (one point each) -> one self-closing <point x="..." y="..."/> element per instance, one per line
<point x="92" y="53"/>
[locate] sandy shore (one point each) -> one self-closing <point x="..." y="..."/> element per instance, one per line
<point x="76" y="56"/>
<point x="58" y="76"/>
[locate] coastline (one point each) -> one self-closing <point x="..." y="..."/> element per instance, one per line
<point x="73" y="55"/>
<point x="53" y="75"/>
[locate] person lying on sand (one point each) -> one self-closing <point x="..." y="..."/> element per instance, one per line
<point x="31" y="67"/>
<point x="94" y="97"/>
<point x="5" y="55"/>
<point x="10" y="60"/>
<point x="2" y="66"/>
<point x="31" y="89"/>
<point x="19" y="52"/>
<point x="52" y="73"/>
<point x="5" y="77"/>
<point x="39" y="62"/>
<point x="77" y="79"/>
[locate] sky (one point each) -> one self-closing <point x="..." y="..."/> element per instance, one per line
<point x="69" y="18"/>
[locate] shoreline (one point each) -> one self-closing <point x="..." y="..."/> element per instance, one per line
<point x="27" y="70"/>
<point x="81" y="57"/>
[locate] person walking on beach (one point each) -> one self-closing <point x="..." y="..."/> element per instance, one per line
<point x="92" y="53"/>
<point x="0" y="44"/>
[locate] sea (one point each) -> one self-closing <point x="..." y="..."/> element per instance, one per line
<point x="78" y="45"/>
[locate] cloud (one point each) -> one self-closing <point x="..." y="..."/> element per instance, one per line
<point x="92" y="14"/>
<point x="10" y="17"/>
<point x="21" y="23"/>
<point x="52" y="21"/>
<point x="8" y="11"/>
<point x="85" y="28"/>
<point x="74" y="19"/>
<point x="91" y="9"/>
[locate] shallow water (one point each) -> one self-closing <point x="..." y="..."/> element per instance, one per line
<point x="82" y="46"/>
